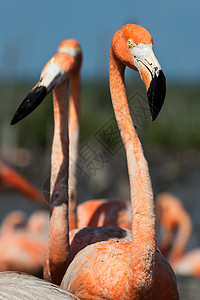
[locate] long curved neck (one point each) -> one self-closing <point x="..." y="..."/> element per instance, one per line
<point x="181" y="240"/>
<point x="58" y="248"/>
<point x="74" y="128"/>
<point x="143" y="250"/>
<point x="14" y="180"/>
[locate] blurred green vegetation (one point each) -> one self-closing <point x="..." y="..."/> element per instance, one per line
<point x="178" y="125"/>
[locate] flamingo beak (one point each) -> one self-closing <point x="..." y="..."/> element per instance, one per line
<point x="152" y="76"/>
<point x="50" y="78"/>
<point x="30" y="103"/>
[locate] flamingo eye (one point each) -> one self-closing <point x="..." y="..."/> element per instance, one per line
<point x="130" y="44"/>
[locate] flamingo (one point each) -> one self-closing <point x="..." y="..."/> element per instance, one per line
<point x="23" y="243"/>
<point x="22" y="247"/>
<point x="54" y="77"/>
<point x="10" y="178"/>
<point x="136" y="269"/>
<point x="19" y="286"/>
<point x="174" y="219"/>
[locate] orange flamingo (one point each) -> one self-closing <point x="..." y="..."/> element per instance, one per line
<point x="133" y="270"/>
<point x="98" y="212"/>
<point x="174" y="219"/>
<point x="23" y="251"/>
<point x="21" y="248"/>
<point x="54" y="77"/>
<point x="10" y="178"/>
<point x="16" y="286"/>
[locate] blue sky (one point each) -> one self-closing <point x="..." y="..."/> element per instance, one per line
<point x="32" y="30"/>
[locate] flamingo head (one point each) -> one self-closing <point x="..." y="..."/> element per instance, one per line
<point x="73" y="48"/>
<point x="133" y="47"/>
<point x="57" y="71"/>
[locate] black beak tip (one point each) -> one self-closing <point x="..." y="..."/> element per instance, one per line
<point x="156" y="94"/>
<point x="19" y="115"/>
<point x="154" y="116"/>
<point x="14" y="120"/>
<point x="30" y="103"/>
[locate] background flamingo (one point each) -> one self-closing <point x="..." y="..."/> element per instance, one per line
<point x="103" y="212"/>
<point x="135" y="270"/>
<point x="176" y="229"/>
<point x="23" y="242"/>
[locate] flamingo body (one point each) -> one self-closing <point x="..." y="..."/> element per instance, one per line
<point x="107" y="277"/>
<point x="102" y="212"/>
<point x="22" y="252"/>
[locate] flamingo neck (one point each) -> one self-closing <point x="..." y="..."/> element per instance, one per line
<point x="58" y="247"/>
<point x="74" y="128"/>
<point x="143" y="248"/>
<point x="11" y="178"/>
<point x="180" y="242"/>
